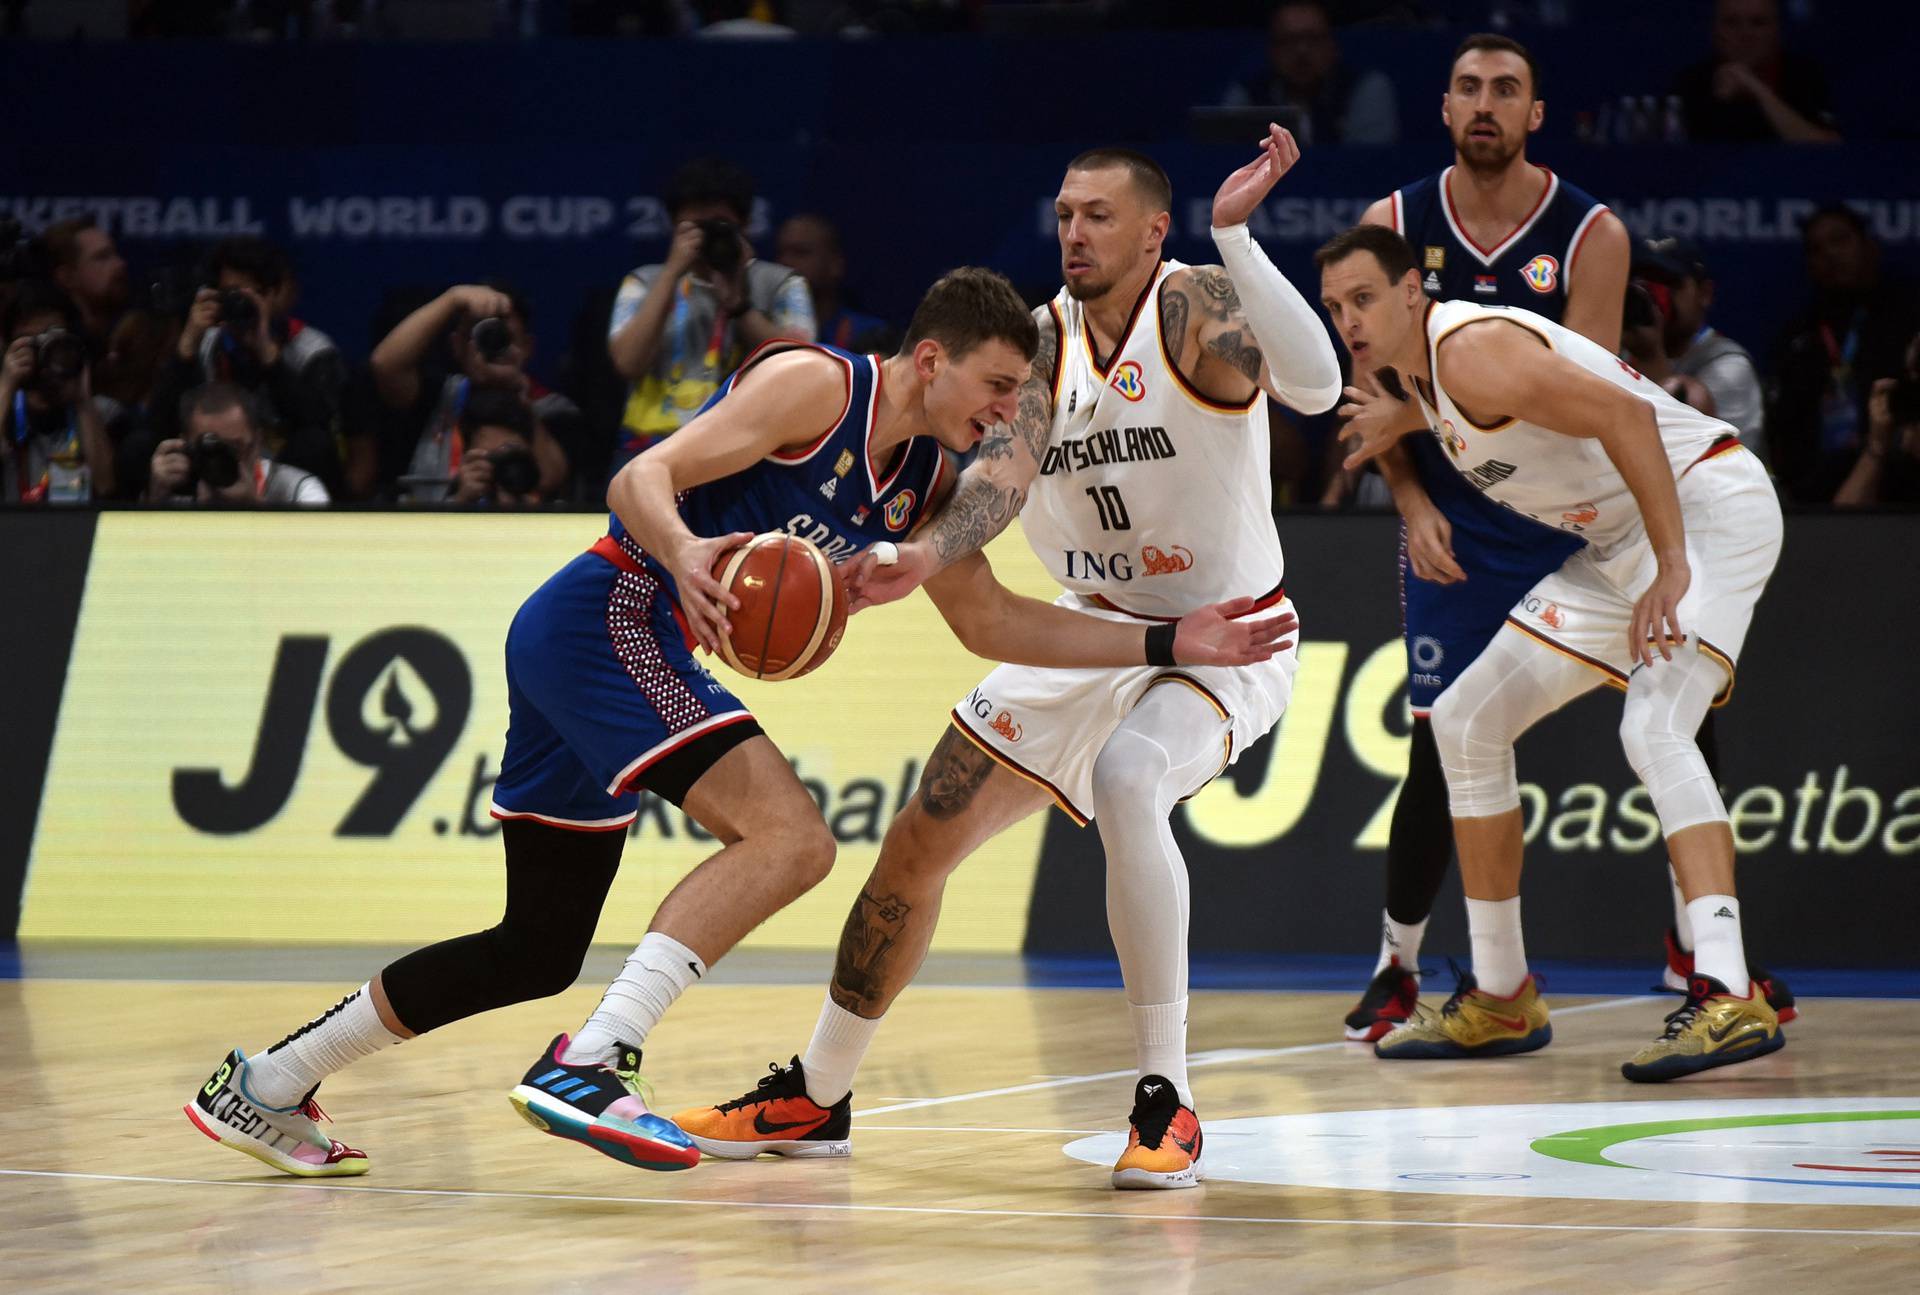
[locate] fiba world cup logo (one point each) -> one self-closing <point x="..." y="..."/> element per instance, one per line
<point x="1128" y="382"/>
<point x="1541" y="273"/>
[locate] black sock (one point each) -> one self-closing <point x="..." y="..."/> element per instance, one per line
<point x="1420" y="844"/>
<point x="556" y="882"/>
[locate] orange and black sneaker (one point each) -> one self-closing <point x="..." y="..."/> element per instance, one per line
<point x="1163" y="1146"/>
<point x="775" y="1118"/>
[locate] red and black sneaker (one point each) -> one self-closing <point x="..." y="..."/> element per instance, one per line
<point x="776" y="1117"/>
<point x="1678" y="974"/>
<point x="1387" y="1004"/>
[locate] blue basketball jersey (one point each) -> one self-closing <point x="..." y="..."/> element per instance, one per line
<point x="1528" y="269"/>
<point x="829" y="491"/>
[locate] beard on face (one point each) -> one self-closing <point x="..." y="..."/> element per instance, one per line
<point x="1087" y="287"/>
<point x="1487" y="154"/>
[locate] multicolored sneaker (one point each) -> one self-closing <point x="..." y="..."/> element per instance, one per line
<point x="1164" y="1142"/>
<point x="1678" y="975"/>
<point x="1473" y="1023"/>
<point x="1387" y="1003"/>
<point x="289" y="1139"/>
<point x="1712" y="1028"/>
<point x="776" y="1118"/>
<point x="602" y="1107"/>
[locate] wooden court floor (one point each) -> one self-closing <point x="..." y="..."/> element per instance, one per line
<point x="960" y="1178"/>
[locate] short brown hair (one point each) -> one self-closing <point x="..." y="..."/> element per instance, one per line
<point x="1394" y="253"/>
<point x="971" y="305"/>
<point x="216" y="398"/>
<point x="1146" y="174"/>
<point x="1495" y="41"/>
<point x="62" y="240"/>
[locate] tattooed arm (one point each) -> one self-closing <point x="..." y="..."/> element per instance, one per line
<point x="987" y="497"/>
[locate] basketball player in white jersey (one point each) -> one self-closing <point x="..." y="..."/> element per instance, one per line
<point x="1682" y="532"/>
<point x="1142" y="434"/>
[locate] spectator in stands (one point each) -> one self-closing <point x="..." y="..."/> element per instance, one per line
<point x="739" y="20"/>
<point x="90" y="270"/>
<point x="487" y="328"/>
<point x="221" y="456"/>
<point x="1675" y="274"/>
<point x="1303" y="70"/>
<point x="1888" y="469"/>
<point x="810" y="244"/>
<point x="232" y="334"/>
<point x="1643" y="341"/>
<point x="1852" y="333"/>
<point x="56" y="448"/>
<point x="496" y="467"/>
<point x="1752" y="89"/>
<point x="681" y="326"/>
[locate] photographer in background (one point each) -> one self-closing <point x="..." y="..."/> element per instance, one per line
<point x="495" y="466"/>
<point x="231" y="335"/>
<point x="221" y="458"/>
<point x="678" y="328"/>
<point x="1888" y="469"/>
<point x="90" y="270"/>
<point x="55" y="448"/>
<point x="487" y="332"/>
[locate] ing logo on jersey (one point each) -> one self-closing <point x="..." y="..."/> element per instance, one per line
<point x="1450" y="436"/>
<point x="1542" y="274"/>
<point x="900" y="511"/>
<point x="1154" y="562"/>
<point x="1003" y="725"/>
<point x="1127" y="381"/>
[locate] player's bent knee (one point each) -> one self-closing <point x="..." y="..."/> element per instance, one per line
<point x="810" y="852"/>
<point x="1476" y="752"/>
<point x="1129" y="780"/>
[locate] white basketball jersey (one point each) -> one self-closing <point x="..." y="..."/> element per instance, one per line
<point x="1151" y="497"/>
<point x="1566" y="482"/>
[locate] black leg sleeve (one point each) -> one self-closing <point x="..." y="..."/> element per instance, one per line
<point x="556" y="882"/>
<point x="1420" y="843"/>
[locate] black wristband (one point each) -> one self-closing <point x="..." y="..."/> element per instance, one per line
<point x="1160" y="644"/>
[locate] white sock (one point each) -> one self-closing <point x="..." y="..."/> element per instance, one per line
<point x="1400" y="940"/>
<point x="1718" y="950"/>
<point x="1499" y="952"/>
<point x="657" y="972"/>
<point x="1160" y="1043"/>
<point x="284" y="1074"/>
<point x="1682" y="923"/>
<point x="838" y="1046"/>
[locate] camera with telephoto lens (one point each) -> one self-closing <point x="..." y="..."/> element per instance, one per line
<point x="238" y="313"/>
<point x="720" y="246"/>
<point x="491" y="338"/>
<point x="58" y="357"/>
<point x="514" y="471"/>
<point x="213" y="461"/>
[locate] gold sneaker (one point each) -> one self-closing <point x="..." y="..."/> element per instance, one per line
<point x="1712" y="1028"/>
<point x="1473" y="1023"/>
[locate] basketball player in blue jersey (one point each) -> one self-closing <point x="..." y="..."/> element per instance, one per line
<point x="606" y="700"/>
<point x="1494" y="229"/>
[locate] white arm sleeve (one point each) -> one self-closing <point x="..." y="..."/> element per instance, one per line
<point x="1300" y="359"/>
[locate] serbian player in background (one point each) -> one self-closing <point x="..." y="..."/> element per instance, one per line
<point x="1495" y="229"/>
<point x="606" y="700"/>
<point x="1142" y="436"/>
<point x="1682" y="531"/>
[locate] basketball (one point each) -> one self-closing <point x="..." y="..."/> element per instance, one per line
<point x="793" y="606"/>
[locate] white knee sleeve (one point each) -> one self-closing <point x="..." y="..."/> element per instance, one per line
<point x="1476" y="721"/>
<point x="1665" y="704"/>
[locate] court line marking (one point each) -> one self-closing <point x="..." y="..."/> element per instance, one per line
<point x="1214" y="1057"/>
<point x="847" y="1208"/>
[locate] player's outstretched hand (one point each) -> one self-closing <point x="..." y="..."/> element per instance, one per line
<point x="1656" y="616"/>
<point x="1211" y="636"/>
<point x="1375" y="422"/>
<point x="705" y="603"/>
<point x="885" y="572"/>
<point x="1248" y="187"/>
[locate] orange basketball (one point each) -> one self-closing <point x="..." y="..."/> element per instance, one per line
<point x="793" y="606"/>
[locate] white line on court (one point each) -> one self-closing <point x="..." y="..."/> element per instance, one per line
<point x="1215" y="1057"/>
<point x="841" y="1208"/>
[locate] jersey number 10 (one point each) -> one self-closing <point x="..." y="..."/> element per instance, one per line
<point x="1112" y="509"/>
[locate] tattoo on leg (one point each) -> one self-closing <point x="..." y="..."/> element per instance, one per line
<point x="953" y="774"/>
<point x="867" y="940"/>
